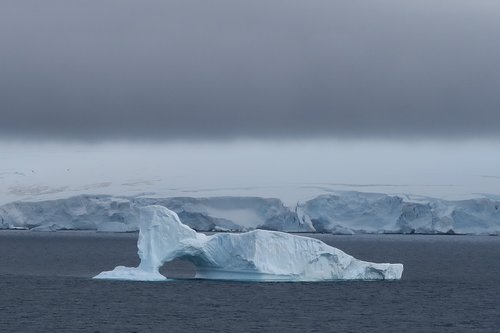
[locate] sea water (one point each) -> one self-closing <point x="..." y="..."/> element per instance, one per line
<point x="449" y="284"/>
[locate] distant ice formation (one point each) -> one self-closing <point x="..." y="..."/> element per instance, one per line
<point x="356" y="212"/>
<point x="252" y="256"/>
<point x="339" y="213"/>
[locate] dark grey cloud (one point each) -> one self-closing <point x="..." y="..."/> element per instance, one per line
<point x="260" y="68"/>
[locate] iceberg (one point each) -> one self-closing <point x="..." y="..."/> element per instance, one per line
<point x="258" y="255"/>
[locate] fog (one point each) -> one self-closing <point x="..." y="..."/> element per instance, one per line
<point x="291" y="170"/>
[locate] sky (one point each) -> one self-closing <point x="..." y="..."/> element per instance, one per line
<point x="285" y="99"/>
<point x="198" y="70"/>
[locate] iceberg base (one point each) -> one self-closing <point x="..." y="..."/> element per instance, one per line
<point x="130" y="274"/>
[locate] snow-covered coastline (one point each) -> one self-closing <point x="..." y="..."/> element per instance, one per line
<point x="338" y="213"/>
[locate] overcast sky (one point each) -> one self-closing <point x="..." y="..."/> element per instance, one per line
<point x="150" y="70"/>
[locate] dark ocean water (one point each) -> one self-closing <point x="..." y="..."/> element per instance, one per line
<point x="450" y="284"/>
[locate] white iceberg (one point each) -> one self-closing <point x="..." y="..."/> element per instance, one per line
<point x="257" y="255"/>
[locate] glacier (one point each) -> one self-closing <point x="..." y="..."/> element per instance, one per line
<point x="258" y="255"/>
<point x="338" y="213"/>
<point x="357" y="212"/>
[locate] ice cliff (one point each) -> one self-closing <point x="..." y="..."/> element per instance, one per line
<point x="107" y="213"/>
<point x="355" y="212"/>
<point x="341" y="213"/>
<point x="257" y="255"/>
